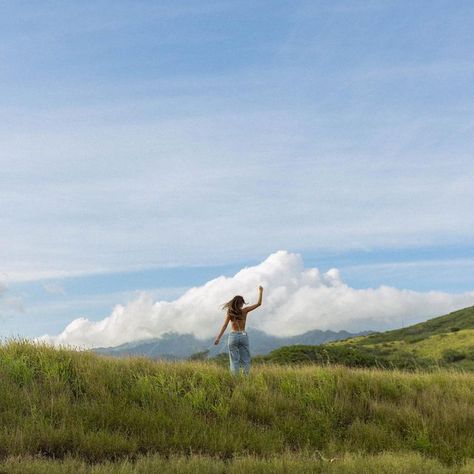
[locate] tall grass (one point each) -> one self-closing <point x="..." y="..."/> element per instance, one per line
<point x="385" y="463"/>
<point x="87" y="408"/>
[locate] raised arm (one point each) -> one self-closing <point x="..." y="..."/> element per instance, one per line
<point x="257" y="304"/>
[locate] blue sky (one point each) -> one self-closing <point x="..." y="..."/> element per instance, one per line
<point x="157" y="145"/>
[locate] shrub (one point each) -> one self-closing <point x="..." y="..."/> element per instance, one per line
<point x="199" y="355"/>
<point x="452" y="355"/>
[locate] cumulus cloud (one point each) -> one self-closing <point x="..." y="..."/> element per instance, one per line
<point x="296" y="299"/>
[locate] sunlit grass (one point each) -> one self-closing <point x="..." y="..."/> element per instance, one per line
<point x="434" y="346"/>
<point x="89" y="409"/>
<point x="384" y="463"/>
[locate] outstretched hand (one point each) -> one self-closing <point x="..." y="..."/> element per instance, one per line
<point x="216" y="342"/>
<point x="260" y="288"/>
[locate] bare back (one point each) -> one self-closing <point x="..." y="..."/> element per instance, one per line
<point x="238" y="324"/>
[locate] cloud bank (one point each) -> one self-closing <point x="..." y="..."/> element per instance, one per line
<point x="296" y="300"/>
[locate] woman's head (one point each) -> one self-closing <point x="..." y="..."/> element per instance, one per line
<point x="234" y="306"/>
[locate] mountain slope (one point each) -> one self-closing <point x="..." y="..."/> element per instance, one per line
<point x="449" y="323"/>
<point x="443" y="341"/>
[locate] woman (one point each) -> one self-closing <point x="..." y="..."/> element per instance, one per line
<point x="239" y="352"/>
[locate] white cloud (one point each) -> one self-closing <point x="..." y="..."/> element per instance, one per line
<point x="296" y="299"/>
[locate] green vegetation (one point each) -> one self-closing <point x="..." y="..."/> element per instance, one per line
<point x="452" y="322"/>
<point x="387" y="463"/>
<point x="446" y="341"/>
<point x="135" y="415"/>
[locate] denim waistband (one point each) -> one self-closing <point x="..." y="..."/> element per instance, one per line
<point x="238" y="332"/>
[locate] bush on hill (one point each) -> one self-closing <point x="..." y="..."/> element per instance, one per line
<point x="348" y="355"/>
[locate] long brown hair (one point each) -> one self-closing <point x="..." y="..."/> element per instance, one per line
<point x="234" y="307"/>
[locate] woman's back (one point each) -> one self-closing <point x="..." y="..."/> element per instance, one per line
<point x="238" y="321"/>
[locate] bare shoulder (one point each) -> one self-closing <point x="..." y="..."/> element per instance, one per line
<point x="249" y="308"/>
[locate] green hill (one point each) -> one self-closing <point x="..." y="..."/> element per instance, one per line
<point x="67" y="411"/>
<point x="445" y="341"/>
<point x="462" y="319"/>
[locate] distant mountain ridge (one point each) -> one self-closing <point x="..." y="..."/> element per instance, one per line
<point x="181" y="346"/>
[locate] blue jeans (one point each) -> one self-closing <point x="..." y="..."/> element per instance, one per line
<point x="239" y="352"/>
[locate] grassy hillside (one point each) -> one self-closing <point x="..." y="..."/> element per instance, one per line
<point x="446" y="341"/>
<point x="74" y="409"/>
<point x="452" y="322"/>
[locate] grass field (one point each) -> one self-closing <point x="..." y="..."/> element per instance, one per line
<point x="386" y="463"/>
<point x="435" y="346"/>
<point x="66" y="411"/>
